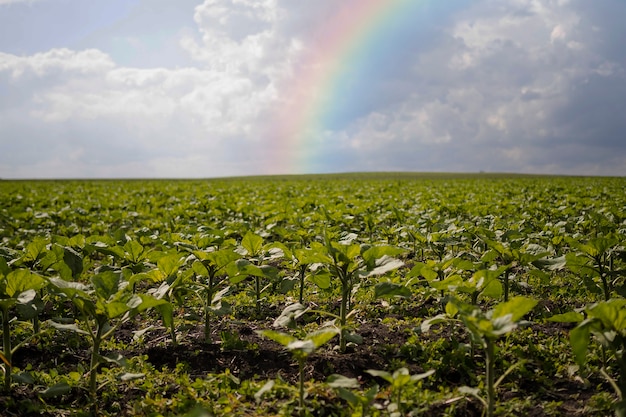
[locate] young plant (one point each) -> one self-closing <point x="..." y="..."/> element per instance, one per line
<point x="606" y="321"/>
<point x="301" y="349"/>
<point x="485" y="328"/>
<point x="256" y="264"/>
<point x="18" y="288"/>
<point x="104" y="305"/>
<point x="174" y="282"/>
<point x="345" y="388"/>
<point x="399" y="380"/>
<point x="349" y="263"/>
<point x="299" y="260"/>
<point x="595" y="261"/>
<point x="210" y="269"/>
<point x="513" y="255"/>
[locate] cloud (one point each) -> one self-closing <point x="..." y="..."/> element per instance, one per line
<point x="516" y="85"/>
<point x="503" y="90"/>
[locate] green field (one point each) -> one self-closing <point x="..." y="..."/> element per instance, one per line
<point x="389" y="294"/>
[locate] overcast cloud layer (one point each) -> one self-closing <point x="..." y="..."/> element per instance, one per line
<point x="155" y="88"/>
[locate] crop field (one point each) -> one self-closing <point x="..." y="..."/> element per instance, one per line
<point x="329" y="295"/>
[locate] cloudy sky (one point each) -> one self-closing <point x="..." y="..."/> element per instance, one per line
<point x="190" y="88"/>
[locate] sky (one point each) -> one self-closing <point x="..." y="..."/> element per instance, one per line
<point x="215" y="88"/>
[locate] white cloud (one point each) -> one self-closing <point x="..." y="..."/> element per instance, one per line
<point x="503" y="85"/>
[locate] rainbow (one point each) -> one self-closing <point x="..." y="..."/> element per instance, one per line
<point x="344" y="42"/>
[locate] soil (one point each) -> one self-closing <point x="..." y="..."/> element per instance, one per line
<point x="253" y="356"/>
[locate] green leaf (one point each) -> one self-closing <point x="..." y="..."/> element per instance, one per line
<point x="383" y="265"/>
<point x="390" y="289"/>
<point x="451" y="309"/>
<point x="612" y="314"/>
<point x="322" y="337"/>
<point x="107" y="284"/>
<point x="569" y="317"/>
<point x="348" y="396"/>
<point x="517" y="307"/>
<point x="493" y="289"/>
<point x="302" y="347"/>
<point x="70" y="327"/>
<point x="313" y="256"/>
<point x="134" y="250"/>
<point x="428" y="273"/>
<point x="282" y="338"/>
<point x="321" y="278"/>
<point x="580" y="264"/>
<point x="550" y="264"/>
<point x="427" y="324"/>
<point x="35" y="249"/>
<point x="127" y="376"/>
<point x="143" y="302"/>
<point x="56" y="390"/>
<point x="418" y="377"/>
<point x="381" y="374"/>
<point x="169" y="264"/>
<point x="340" y="381"/>
<point x="4" y="267"/>
<point x="110" y="249"/>
<point x="374" y="253"/>
<point x="22" y="280"/>
<point x="252" y="243"/>
<point x="115" y="358"/>
<point x="167" y="313"/>
<point x="116" y="308"/>
<point x="23" y="378"/>
<point x="579" y="339"/>
<point x="267" y="387"/>
<point x="26" y="297"/>
<point x="289" y="315"/>
<point x="73" y="260"/>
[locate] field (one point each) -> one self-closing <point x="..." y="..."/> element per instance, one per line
<point x="332" y="295"/>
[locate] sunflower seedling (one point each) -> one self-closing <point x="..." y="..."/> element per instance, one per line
<point x="301" y="349"/>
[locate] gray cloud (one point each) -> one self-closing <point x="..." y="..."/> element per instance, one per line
<point x="516" y="85"/>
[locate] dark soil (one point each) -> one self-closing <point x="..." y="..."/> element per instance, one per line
<point x="255" y="357"/>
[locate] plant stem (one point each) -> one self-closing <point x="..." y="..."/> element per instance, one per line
<point x="345" y="291"/>
<point x="257" y="289"/>
<point x="605" y="284"/>
<point x="506" y="285"/>
<point x="6" y="346"/>
<point x="93" y="369"/>
<point x="207" y="312"/>
<point x="302" y="275"/>
<point x="491" y="393"/>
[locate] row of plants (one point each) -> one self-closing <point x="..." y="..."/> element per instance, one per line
<point x="83" y="261"/>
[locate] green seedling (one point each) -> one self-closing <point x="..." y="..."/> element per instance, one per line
<point x="256" y="264"/>
<point x="212" y="257"/>
<point x="606" y="321"/>
<point x="104" y="305"/>
<point x="210" y="269"/>
<point x="485" y="328"/>
<point x="299" y="260"/>
<point x="399" y="380"/>
<point x="173" y="283"/>
<point x="349" y="263"/>
<point x="507" y="253"/>
<point x="301" y="349"/>
<point x="18" y="289"/>
<point x="595" y="260"/>
<point x="347" y="389"/>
